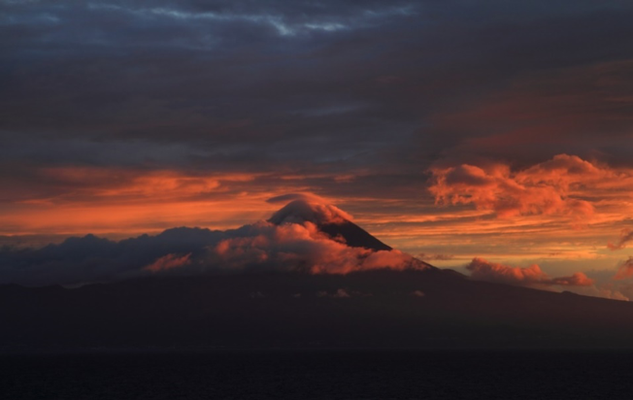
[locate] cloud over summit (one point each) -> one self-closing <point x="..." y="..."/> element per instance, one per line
<point x="311" y="236"/>
<point x="308" y="208"/>
<point x="292" y="240"/>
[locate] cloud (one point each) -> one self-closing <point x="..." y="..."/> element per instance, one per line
<point x="94" y="259"/>
<point x="289" y="197"/>
<point x="613" y="294"/>
<point x="554" y="187"/>
<point x="102" y="103"/>
<point x="577" y="279"/>
<point x="339" y="294"/>
<point x="435" y="257"/>
<point x="308" y="208"/>
<point x="625" y="236"/>
<point x="487" y="271"/>
<point x="168" y="262"/>
<point x="301" y="247"/>
<point x="625" y="270"/>
<point x="136" y="99"/>
<point x="605" y="286"/>
<point x="305" y="196"/>
<point x="292" y="242"/>
<point x="530" y="276"/>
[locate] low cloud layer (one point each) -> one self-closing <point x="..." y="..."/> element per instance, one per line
<point x="307" y="207"/>
<point x="300" y="247"/>
<point x="290" y="241"/>
<point x="170" y="261"/>
<point x="532" y="276"/>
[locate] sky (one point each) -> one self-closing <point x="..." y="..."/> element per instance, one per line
<point x="474" y="135"/>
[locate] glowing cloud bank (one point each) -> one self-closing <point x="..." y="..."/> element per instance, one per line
<point x="292" y="240"/>
<point x="530" y="276"/>
<point x="555" y="187"/>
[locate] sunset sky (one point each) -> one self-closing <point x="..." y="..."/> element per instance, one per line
<point x="450" y="130"/>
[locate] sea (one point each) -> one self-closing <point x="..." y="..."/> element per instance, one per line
<point x="319" y="374"/>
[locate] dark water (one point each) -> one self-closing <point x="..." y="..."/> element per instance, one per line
<point x="320" y="375"/>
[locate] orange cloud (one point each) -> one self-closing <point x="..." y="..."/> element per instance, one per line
<point x="310" y="208"/>
<point x="119" y="203"/>
<point x="134" y="184"/>
<point x="76" y="200"/>
<point x="301" y="247"/>
<point x="556" y="187"/>
<point x="484" y="270"/>
<point x="577" y="279"/>
<point x="170" y="261"/>
<point x="625" y="270"/>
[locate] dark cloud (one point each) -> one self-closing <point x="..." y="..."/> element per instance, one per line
<point x="94" y="259"/>
<point x="243" y="85"/>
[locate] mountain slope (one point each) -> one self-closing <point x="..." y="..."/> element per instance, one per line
<point x="413" y="306"/>
<point x="380" y="308"/>
<point x="330" y="220"/>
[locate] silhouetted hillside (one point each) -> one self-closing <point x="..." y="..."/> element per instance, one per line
<point x="381" y="308"/>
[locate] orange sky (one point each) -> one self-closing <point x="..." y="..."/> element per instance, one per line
<point x="561" y="213"/>
<point x="449" y="131"/>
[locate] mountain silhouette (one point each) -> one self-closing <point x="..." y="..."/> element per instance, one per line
<point x="417" y="306"/>
<point x="329" y="221"/>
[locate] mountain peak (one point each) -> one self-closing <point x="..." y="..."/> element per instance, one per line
<point x="330" y="220"/>
<point x="306" y="209"/>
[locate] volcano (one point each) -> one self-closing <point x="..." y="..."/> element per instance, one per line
<point x="250" y="287"/>
<point x="329" y="220"/>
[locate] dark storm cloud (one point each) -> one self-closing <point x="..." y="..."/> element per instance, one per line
<point x="94" y="259"/>
<point x="312" y="87"/>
